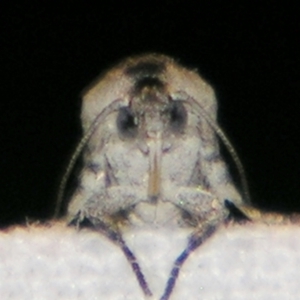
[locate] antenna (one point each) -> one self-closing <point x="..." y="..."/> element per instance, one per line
<point x="115" y="105"/>
<point x="198" y="107"/>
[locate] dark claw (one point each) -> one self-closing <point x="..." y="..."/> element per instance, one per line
<point x="234" y="212"/>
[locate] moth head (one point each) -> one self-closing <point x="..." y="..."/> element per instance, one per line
<point x="151" y="111"/>
<point x="150" y="87"/>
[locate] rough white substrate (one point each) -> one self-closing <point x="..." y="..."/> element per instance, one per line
<point x="238" y="262"/>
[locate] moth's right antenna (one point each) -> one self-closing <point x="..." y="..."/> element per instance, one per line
<point x="198" y="107"/>
<point x="115" y="105"/>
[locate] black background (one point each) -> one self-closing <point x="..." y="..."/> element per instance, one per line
<point x="49" y="53"/>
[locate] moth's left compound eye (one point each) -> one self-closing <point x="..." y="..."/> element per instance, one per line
<point x="178" y="116"/>
<point x="126" y="122"/>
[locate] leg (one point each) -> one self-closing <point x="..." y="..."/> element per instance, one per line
<point x="135" y="267"/>
<point x="116" y="237"/>
<point x="194" y="242"/>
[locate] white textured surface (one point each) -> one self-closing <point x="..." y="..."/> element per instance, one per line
<point x="238" y="262"/>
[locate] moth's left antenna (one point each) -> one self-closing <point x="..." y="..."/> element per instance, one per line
<point x="115" y="105"/>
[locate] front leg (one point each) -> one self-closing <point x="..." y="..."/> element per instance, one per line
<point x="99" y="205"/>
<point x="200" y="205"/>
<point x="207" y="213"/>
<point x="95" y="198"/>
<point x="195" y="240"/>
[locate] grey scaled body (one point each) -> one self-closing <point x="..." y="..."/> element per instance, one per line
<point x="151" y="153"/>
<point x="177" y="169"/>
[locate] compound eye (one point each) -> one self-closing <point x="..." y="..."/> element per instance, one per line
<point x="178" y="116"/>
<point x="126" y="122"/>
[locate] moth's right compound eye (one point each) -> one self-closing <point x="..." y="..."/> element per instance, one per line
<point x="178" y="116"/>
<point x="126" y="122"/>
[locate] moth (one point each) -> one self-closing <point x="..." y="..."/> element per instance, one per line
<point x="151" y="156"/>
